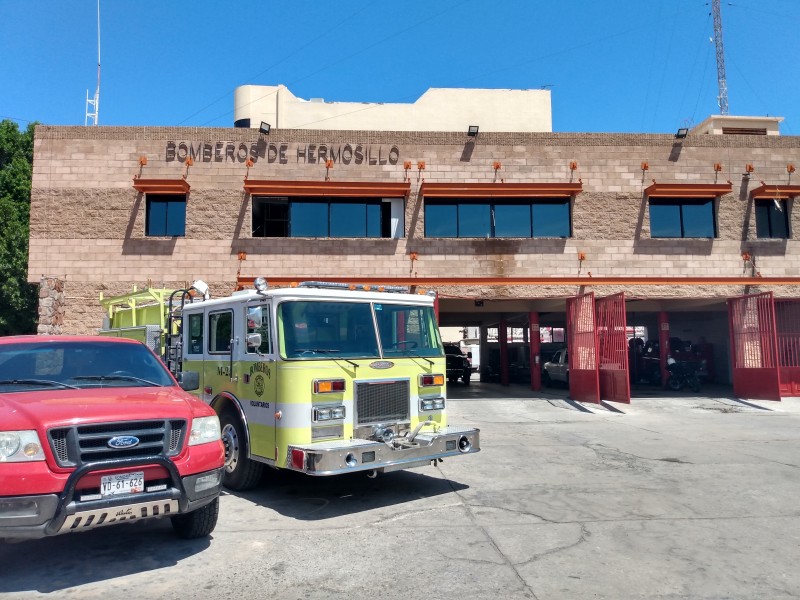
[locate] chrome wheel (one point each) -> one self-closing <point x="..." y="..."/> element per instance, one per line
<point x="230" y="440"/>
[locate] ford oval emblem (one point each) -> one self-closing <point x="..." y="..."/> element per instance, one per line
<point x="123" y="441"/>
<point x="381" y="364"/>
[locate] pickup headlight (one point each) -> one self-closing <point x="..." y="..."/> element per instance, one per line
<point x="204" y="430"/>
<point x="20" y="446"/>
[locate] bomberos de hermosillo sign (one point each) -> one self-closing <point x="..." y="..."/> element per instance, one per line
<point x="282" y="153"/>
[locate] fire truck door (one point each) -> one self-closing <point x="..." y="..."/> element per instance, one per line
<point x="257" y="376"/>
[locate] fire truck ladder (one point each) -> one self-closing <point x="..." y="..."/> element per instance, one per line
<point x="173" y="338"/>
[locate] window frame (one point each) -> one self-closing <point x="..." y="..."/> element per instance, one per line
<point x="493" y="203"/>
<point x="377" y="212"/>
<point x="770" y="206"/>
<point x="168" y="200"/>
<point x="212" y="315"/>
<point x="679" y="202"/>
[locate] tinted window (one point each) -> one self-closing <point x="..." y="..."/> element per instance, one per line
<point x="165" y="215"/>
<point x="258" y="322"/>
<point x="441" y="220"/>
<point x="309" y="219"/>
<point x="512" y="220"/>
<point x="771" y="219"/>
<point x="220" y="330"/>
<point x="551" y="219"/>
<point x="195" y="334"/>
<point x="526" y="217"/>
<point x="474" y="220"/>
<point x="682" y="218"/>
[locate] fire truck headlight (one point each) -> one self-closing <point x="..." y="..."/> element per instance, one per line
<point x="204" y="430"/>
<point x="431" y="404"/>
<point x="327" y="413"/>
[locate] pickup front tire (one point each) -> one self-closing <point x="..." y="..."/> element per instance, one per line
<point x="198" y="523"/>
<point x="240" y="472"/>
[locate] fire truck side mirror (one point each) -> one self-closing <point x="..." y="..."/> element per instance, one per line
<point x="253" y="340"/>
<point x="254" y="317"/>
<point x="189" y="380"/>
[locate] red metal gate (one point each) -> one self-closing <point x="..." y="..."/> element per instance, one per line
<point x="754" y="351"/>
<point x="787" y="325"/>
<point x="584" y="383"/>
<point x="613" y="348"/>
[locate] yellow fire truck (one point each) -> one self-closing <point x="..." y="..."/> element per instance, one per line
<point x="322" y="378"/>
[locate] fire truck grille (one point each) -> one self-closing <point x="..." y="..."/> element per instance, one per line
<point x="76" y="446"/>
<point x="382" y="401"/>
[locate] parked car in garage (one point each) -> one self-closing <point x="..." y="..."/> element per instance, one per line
<point x="556" y="369"/>
<point x="458" y="365"/>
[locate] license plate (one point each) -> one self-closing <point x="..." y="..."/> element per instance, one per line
<point x="122" y="483"/>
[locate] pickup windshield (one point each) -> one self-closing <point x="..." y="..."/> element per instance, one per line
<point x="33" y="366"/>
<point x="323" y="329"/>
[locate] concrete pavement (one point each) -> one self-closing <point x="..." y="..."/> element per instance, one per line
<point x="683" y="497"/>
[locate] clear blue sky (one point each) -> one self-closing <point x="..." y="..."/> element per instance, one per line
<point x="611" y="65"/>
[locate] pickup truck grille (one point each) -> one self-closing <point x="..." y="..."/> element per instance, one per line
<point x="382" y="402"/>
<point x="81" y="444"/>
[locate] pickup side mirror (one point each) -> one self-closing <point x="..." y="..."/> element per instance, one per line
<point x="189" y="380"/>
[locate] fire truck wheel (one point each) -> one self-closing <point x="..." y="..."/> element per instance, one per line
<point x="198" y="523"/>
<point x="240" y="473"/>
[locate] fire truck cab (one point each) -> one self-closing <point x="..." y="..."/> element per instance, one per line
<point x="322" y="378"/>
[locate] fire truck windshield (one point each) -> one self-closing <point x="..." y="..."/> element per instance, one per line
<point x="323" y="329"/>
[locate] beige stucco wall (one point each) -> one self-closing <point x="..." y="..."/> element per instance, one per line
<point x="438" y="109"/>
<point x="87" y="221"/>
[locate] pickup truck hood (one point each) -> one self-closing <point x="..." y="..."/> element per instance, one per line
<point x="55" y="408"/>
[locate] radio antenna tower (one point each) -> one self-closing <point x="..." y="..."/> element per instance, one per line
<point x="94" y="102"/>
<point x="721" y="82"/>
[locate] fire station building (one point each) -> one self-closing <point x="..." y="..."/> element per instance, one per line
<point x="622" y="248"/>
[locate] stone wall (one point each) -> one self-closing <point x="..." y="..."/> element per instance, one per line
<point x="52" y="306"/>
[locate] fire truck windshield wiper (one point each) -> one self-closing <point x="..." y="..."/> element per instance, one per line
<point x="329" y="352"/>
<point x="115" y="378"/>
<point x="44" y="382"/>
<point x="418" y="355"/>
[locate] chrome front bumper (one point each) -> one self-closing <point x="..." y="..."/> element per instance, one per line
<point x="347" y="456"/>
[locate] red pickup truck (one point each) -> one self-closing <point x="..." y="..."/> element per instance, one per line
<point x="96" y="431"/>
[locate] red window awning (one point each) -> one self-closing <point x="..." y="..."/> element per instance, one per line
<point x="688" y="190"/>
<point x="342" y="189"/>
<point x="161" y="186"/>
<point x="779" y="192"/>
<point x="500" y="190"/>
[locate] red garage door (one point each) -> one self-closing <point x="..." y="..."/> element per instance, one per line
<point x="787" y="324"/>
<point x="584" y="383"/>
<point x="613" y="348"/>
<point x="754" y="349"/>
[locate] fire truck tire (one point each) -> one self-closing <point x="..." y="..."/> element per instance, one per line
<point x="240" y="472"/>
<point x="198" y="523"/>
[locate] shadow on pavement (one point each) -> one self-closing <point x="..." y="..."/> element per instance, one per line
<point x="65" y="561"/>
<point x="309" y="498"/>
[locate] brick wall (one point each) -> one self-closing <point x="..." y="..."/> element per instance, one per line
<point x="87" y="221"/>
